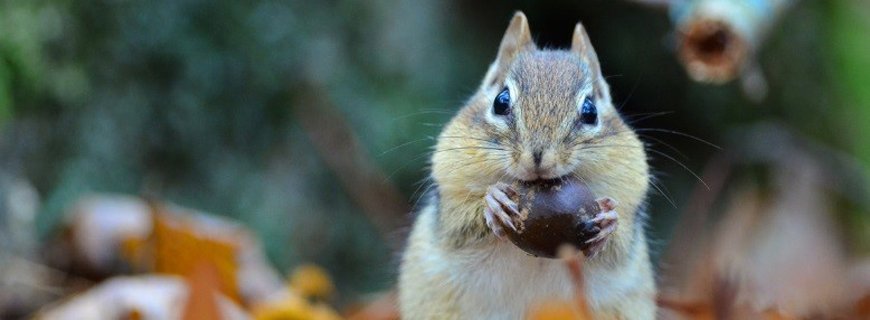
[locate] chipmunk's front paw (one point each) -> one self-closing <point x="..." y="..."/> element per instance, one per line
<point x="500" y="210"/>
<point x="606" y="221"/>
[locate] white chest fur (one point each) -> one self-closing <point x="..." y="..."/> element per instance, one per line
<point x="500" y="281"/>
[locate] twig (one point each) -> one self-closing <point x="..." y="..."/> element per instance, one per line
<point x="338" y="145"/>
<point x="574" y="262"/>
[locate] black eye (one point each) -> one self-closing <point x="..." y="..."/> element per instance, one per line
<point x="588" y="112"/>
<point x="502" y="104"/>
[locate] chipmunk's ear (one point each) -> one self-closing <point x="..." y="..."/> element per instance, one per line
<point x="517" y="39"/>
<point x="582" y="47"/>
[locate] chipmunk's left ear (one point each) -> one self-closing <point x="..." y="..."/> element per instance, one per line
<point x="582" y="47"/>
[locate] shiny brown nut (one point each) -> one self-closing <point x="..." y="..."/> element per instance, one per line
<point x="553" y="213"/>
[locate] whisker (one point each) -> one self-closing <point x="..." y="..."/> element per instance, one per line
<point x="469" y="148"/>
<point x="655" y="186"/>
<point x="629" y="94"/>
<point x="491" y="171"/>
<point x="610" y="146"/>
<point x="458" y="165"/>
<point x="428" y="154"/>
<point x="428" y="181"/>
<point x="428" y="111"/>
<point x="667" y="145"/>
<point x="425" y="154"/>
<point x="503" y="174"/>
<point x="403" y="145"/>
<point x="583" y="180"/>
<point x="625" y="166"/>
<point x="470" y="138"/>
<point x="647" y="115"/>
<point x="682" y="165"/>
<point x="653" y="181"/>
<point x="679" y="134"/>
<point x="423" y="194"/>
<point x="431" y="138"/>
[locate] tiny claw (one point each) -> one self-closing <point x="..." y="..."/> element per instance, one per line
<point x="508" y="204"/>
<point x="496" y="208"/>
<point x="607" y="203"/>
<point x="603" y="233"/>
<point x="508" y="190"/>
<point x="593" y="249"/>
<point x="605" y="216"/>
<point x="603" y="224"/>
<point x="492" y="224"/>
<point x="500" y="193"/>
<point x="500" y="210"/>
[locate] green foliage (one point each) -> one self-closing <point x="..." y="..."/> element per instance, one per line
<point x="849" y="51"/>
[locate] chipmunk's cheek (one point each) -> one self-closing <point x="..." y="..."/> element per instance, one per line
<point x="561" y="170"/>
<point x="568" y="164"/>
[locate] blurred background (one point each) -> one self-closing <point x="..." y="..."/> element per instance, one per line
<point x="307" y="124"/>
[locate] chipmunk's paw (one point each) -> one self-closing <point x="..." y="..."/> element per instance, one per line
<point x="500" y="210"/>
<point x="606" y="221"/>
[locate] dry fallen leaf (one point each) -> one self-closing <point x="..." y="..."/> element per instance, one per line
<point x="180" y="246"/>
<point x="112" y="234"/>
<point x="149" y="296"/>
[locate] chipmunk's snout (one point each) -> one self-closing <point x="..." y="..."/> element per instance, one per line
<point x="537" y="155"/>
<point x="536" y="163"/>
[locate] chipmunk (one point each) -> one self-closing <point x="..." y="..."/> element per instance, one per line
<point x="539" y="114"/>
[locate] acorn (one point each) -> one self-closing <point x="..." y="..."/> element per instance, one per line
<point x="552" y="213"/>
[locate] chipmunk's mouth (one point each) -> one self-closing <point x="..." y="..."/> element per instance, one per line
<point x="537" y="175"/>
<point x="540" y="180"/>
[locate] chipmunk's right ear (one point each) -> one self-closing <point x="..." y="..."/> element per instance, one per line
<point x="581" y="45"/>
<point x="517" y="39"/>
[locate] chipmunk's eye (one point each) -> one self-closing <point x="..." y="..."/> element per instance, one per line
<point x="502" y="104"/>
<point x="588" y="112"/>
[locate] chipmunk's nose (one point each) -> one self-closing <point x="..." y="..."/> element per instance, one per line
<point x="537" y="156"/>
<point x="537" y="163"/>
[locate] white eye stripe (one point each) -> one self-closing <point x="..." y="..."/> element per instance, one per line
<point x="513" y="88"/>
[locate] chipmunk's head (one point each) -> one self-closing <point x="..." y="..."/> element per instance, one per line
<point x="540" y="114"/>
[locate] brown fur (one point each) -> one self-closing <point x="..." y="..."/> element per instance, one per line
<point x="477" y="150"/>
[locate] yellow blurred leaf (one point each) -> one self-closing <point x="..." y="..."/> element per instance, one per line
<point x="312" y="281"/>
<point x="557" y="310"/>
<point x="321" y="311"/>
<point x="291" y="307"/>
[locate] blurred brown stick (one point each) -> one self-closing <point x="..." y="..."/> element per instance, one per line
<point x="338" y="145"/>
